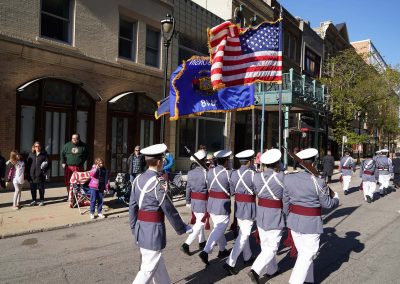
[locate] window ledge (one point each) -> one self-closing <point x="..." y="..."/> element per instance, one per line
<point x="132" y="64"/>
<point x="55" y="43"/>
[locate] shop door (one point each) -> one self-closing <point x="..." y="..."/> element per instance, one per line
<point x="119" y="144"/>
<point x="55" y="137"/>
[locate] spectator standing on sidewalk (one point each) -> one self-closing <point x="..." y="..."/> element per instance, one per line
<point x="16" y="176"/>
<point x="73" y="157"/>
<point x="37" y="166"/>
<point x="328" y="164"/>
<point x="169" y="163"/>
<point x="99" y="181"/>
<point x="136" y="163"/>
<point x="396" y="170"/>
<point x="2" y="171"/>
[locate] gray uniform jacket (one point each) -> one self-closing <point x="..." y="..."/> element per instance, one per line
<point x="383" y="165"/>
<point x="306" y="190"/>
<point x="269" y="218"/>
<point x="219" y="184"/>
<point x="368" y="165"/>
<point x="243" y="185"/>
<point x="150" y="235"/>
<point x="347" y="162"/>
<point x="196" y="182"/>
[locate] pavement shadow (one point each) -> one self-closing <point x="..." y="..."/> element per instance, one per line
<point x="115" y="204"/>
<point x="48" y="201"/>
<point x="334" y="252"/>
<point x="337" y="213"/>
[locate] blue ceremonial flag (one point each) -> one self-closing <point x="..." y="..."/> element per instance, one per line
<point x="191" y="92"/>
<point x="163" y="108"/>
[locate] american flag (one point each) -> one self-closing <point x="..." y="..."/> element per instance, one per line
<point x="243" y="56"/>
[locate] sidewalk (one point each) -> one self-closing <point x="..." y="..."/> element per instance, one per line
<point x="53" y="215"/>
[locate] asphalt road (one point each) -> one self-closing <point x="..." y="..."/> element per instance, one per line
<point x="361" y="244"/>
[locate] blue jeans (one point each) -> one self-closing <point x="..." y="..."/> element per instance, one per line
<point x="96" y="195"/>
<point x="34" y="187"/>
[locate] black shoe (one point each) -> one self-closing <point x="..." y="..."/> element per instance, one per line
<point x="202" y="245"/>
<point x="394" y="189"/>
<point x="382" y="194"/>
<point x="222" y="254"/>
<point x="185" y="249"/>
<point x="230" y="269"/>
<point x="369" y="200"/>
<point x="250" y="260"/>
<point x="345" y="192"/>
<point x="204" y="257"/>
<point x="255" y="278"/>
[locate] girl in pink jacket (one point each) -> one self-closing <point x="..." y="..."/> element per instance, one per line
<point x="99" y="181"/>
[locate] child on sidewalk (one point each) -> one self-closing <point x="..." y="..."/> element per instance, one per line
<point x="16" y="176"/>
<point x="99" y="181"/>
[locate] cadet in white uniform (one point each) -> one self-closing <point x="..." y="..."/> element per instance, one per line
<point x="303" y="197"/>
<point x="384" y="168"/>
<point x="268" y="186"/>
<point x="218" y="205"/>
<point x="148" y="207"/>
<point x="196" y="199"/>
<point x="347" y="168"/>
<point x="245" y="208"/>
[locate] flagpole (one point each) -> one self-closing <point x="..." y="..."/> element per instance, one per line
<point x="280" y="85"/>
<point x="262" y="117"/>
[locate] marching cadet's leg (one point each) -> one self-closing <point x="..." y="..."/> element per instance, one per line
<point x="265" y="262"/>
<point x="307" y="246"/>
<point x="161" y="275"/>
<point x="217" y="235"/>
<point x="149" y="265"/>
<point x="241" y="241"/>
<point x="346" y="183"/>
<point x="198" y="229"/>
<point x="381" y="182"/>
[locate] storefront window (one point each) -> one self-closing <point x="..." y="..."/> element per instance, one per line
<point x="201" y="131"/>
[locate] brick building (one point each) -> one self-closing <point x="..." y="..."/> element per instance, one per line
<point x="92" y="67"/>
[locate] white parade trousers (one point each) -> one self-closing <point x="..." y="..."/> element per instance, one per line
<point x="152" y="268"/>
<point x="384" y="182"/>
<point x="220" y="223"/>
<point x="198" y="230"/>
<point x="369" y="188"/>
<point x="242" y="242"/>
<point x="346" y="182"/>
<point x="307" y="246"/>
<point x="265" y="261"/>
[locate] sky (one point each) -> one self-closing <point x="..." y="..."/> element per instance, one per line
<point x="365" y="19"/>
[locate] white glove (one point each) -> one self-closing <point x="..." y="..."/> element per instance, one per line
<point x="189" y="229"/>
<point x="285" y="172"/>
<point x="336" y="196"/>
<point x="188" y="205"/>
<point x="63" y="165"/>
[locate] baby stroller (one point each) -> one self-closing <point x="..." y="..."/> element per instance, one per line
<point x="79" y="194"/>
<point x="177" y="186"/>
<point x="122" y="187"/>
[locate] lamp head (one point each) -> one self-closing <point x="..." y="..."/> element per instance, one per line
<point x="168" y="25"/>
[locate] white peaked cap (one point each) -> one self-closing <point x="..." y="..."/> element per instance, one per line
<point x="307" y="153"/>
<point x="154" y="150"/>
<point x="384" y="151"/>
<point x="377" y="152"/>
<point x="245" y="155"/>
<point x="201" y="154"/>
<point x="222" y="154"/>
<point x="271" y="156"/>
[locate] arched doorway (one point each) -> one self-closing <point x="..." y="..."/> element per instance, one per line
<point x="50" y="110"/>
<point x="131" y="122"/>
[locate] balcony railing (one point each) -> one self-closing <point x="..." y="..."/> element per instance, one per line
<point x="297" y="90"/>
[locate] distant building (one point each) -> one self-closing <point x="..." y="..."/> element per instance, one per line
<point x="370" y="54"/>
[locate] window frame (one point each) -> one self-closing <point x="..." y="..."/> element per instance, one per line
<point x="134" y="40"/>
<point x="150" y="28"/>
<point x="69" y="21"/>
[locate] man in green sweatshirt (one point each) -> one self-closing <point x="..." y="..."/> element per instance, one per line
<point x="73" y="157"/>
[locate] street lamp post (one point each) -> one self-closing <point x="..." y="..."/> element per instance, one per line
<point x="168" y="30"/>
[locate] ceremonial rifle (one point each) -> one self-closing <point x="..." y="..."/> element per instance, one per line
<point x="195" y="158"/>
<point x="308" y="167"/>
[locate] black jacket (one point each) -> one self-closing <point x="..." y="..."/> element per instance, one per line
<point x="36" y="174"/>
<point x="328" y="164"/>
